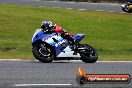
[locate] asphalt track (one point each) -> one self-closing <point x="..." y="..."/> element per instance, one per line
<point x="68" y="5"/>
<point x="59" y="74"/>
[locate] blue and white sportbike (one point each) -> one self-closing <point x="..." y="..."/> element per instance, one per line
<point x="49" y="47"/>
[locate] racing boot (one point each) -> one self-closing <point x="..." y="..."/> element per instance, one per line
<point x="75" y="47"/>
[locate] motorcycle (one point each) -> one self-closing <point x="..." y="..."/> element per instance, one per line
<point x="127" y="8"/>
<point x="49" y="47"/>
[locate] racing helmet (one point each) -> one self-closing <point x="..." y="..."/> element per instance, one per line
<point x="46" y="24"/>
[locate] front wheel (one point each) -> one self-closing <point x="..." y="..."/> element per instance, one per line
<point x="90" y="55"/>
<point x="43" y="54"/>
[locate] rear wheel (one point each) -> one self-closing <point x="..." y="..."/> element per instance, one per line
<point x="43" y="53"/>
<point x="90" y="55"/>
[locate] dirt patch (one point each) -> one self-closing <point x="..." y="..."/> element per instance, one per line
<point x="6" y="49"/>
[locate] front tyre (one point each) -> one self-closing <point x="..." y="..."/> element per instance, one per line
<point x="90" y="55"/>
<point x="43" y="54"/>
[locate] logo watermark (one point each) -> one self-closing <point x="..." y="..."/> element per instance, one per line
<point x="83" y="78"/>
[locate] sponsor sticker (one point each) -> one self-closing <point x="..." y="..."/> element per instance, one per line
<point x="83" y="78"/>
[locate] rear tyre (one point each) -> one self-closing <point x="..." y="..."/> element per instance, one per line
<point x="90" y="55"/>
<point x="45" y="55"/>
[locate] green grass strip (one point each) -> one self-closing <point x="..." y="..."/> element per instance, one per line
<point x="110" y="33"/>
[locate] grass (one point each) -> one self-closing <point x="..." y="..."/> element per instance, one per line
<point x="109" y="33"/>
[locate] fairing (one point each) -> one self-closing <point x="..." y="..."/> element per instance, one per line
<point x="78" y="37"/>
<point x="56" y="41"/>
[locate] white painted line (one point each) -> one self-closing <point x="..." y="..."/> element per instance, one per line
<point x="98" y="10"/>
<point x="114" y="61"/>
<point x="102" y="3"/>
<point x="112" y="11"/>
<point x="109" y="11"/>
<point x="95" y="62"/>
<point x="87" y="9"/>
<point x="104" y="11"/>
<point x="69" y="8"/>
<point x="99" y="61"/>
<point x="10" y="59"/>
<point x="123" y="12"/>
<point x="42" y="85"/>
<point x="58" y="60"/>
<point x="81" y="9"/>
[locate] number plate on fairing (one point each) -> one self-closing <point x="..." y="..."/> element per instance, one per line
<point x="67" y="52"/>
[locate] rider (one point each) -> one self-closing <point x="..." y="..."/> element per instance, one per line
<point x="47" y="27"/>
